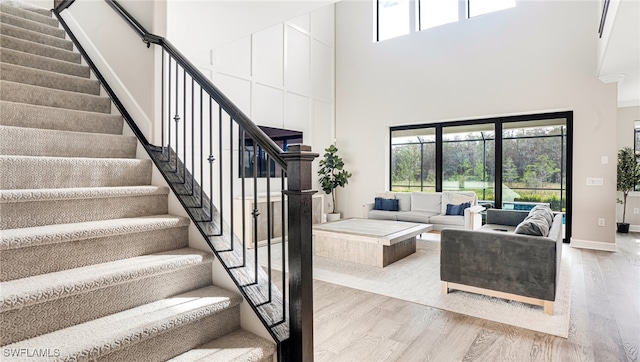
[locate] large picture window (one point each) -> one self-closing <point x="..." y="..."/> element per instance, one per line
<point x="509" y="162"/>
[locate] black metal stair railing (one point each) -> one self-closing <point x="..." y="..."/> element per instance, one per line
<point x="209" y="155"/>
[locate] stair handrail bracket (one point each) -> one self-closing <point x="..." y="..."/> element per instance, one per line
<point x="197" y="119"/>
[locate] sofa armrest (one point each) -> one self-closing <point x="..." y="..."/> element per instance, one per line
<point x="473" y="218"/>
<point x="366" y="208"/>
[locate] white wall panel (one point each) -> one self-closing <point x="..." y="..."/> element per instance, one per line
<point x="322" y="70"/>
<point x="238" y="90"/>
<point x="268" y="55"/>
<point x="297" y="77"/>
<point x="298" y="115"/>
<point x="234" y="58"/>
<point x="303" y="22"/>
<point x="323" y="24"/>
<point x="267" y="106"/>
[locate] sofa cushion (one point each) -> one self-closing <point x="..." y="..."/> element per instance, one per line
<point x="382" y="215"/>
<point x="385" y="204"/>
<point x="426" y="201"/>
<point x="423" y="217"/>
<point x="535" y="225"/>
<point x="404" y="200"/>
<point x="447" y="220"/>
<point x="498" y="228"/>
<point x="456" y="198"/>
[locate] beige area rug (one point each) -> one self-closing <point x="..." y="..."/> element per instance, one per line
<point x="416" y="279"/>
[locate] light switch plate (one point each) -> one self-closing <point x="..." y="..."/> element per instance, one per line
<point x="595" y="181"/>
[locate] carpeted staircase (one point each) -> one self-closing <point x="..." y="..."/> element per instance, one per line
<point x="92" y="264"/>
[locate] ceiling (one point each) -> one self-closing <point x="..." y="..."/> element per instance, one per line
<point x="621" y="61"/>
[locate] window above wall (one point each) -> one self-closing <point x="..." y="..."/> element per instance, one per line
<point x="394" y="18"/>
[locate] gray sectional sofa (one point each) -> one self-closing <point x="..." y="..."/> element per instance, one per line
<point x="429" y="208"/>
<point x="496" y="261"/>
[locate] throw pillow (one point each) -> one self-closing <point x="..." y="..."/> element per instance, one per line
<point x="453" y="209"/>
<point x="535" y="225"/>
<point x="386" y="195"/>
<point x="544" y="211"/>
<point x="385" y="204"/>
<point x="463" y="206"/>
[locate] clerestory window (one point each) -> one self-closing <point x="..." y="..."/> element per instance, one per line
<point x="394" y="18"/>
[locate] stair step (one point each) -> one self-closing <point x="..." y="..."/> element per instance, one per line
<point x="43" y="78"/>
<point x="155" y="331"/>
<point x="237" y="346"/>
<point x="31" y="94"/>
<point x="18" y="141"/>
<point x="32" y="25"/>
<point x="40" y="62"/>
<point x="46" y="249"/>
<point x="62" y="299"/>
<point x="30" y="15"/>
<point x="38" y="207"/>
<point x="25" y="46"/>
<point x="29" y="7"/>
<point x="34" y="36"/>
<point x="29" y="172"/>
<point x="30" y="116"/>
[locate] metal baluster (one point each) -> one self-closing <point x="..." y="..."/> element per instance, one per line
<point x="231" y="235"/>
<point x="177" y="117"/>
<point x="184" y="127"/>
<point x="242" y="197"/>
<point x="255" y="209"/>
<point x="284" y="260"/>
<point x="162" y="103"/>
<point x="201" y="152"/>
<point x="269" y="226"/>
<point x="193" y="148"/>
<point x="221" y="170"/>
<point x="169" y="114"/>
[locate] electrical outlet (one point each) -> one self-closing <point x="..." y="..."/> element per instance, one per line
<point x="636" y="211"/>
<point x="601" y="221"/>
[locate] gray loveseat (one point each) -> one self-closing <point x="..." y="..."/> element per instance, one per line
<point x="498" y="262"/>
<point x="430" y="208"/>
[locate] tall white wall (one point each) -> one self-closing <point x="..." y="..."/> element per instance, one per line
<point x="539" y="56"/>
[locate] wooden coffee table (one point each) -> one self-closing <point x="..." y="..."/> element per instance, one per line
<point x="367" y="241"/>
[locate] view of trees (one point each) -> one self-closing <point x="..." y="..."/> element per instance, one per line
<point x="532" y="164"/>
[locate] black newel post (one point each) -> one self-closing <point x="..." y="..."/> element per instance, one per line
<point x="299" y="180"/>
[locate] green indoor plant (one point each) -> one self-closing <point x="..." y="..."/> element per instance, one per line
<point x="627" y="179"/>
<point x="332" y="175"/>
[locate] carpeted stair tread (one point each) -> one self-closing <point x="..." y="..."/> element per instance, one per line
<point x="19" y="141"/>
<point x="170" y="317"/>
<point x="34" y="36"/>
<point x="30" y="15"/>
<point x="238" y="346"/>
<point x="17" y="294"/>
<point x="29" y="172"/>
<point x="31" y="116"/>
<point x="24" y="93"/>
<point x="38" y="250"/>
<point x="39" y="207"/>
<point x="41" y="62"/>
<point x="31" y="25"/>
<point x="28" y="7"/>
<point x="62" y="299"/>
<point x="43" y="78"/>
<point x="25" y="46"/>
<point x="63" y="233"/>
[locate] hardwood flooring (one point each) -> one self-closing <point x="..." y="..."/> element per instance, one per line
<point x="353" y="325"/>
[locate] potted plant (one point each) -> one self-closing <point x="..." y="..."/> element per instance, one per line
<point x="332" y="175"/>
<point x="628" y="177"/>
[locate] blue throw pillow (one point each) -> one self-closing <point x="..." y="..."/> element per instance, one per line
<point x="457" y="210"/>
<point x="386" y="204"/>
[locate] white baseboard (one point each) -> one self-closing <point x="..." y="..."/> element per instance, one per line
<point x="594" y="245"/>
<point x="634" y="228"/>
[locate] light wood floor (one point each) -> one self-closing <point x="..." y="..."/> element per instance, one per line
<point x="353" y="325"/>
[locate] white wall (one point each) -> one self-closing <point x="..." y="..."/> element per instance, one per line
<point x="539" y="56"/>
<point x="119" y="54"/>
<point x="281" y="76"/>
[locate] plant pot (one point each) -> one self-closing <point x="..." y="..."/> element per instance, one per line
<point x="623" y="227"/>
<point x="333" y="217"/>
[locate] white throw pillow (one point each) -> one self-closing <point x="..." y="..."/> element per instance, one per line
<point x="426" y="201"/>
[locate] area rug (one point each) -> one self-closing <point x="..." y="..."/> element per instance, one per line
<point x="416" y="279"/>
